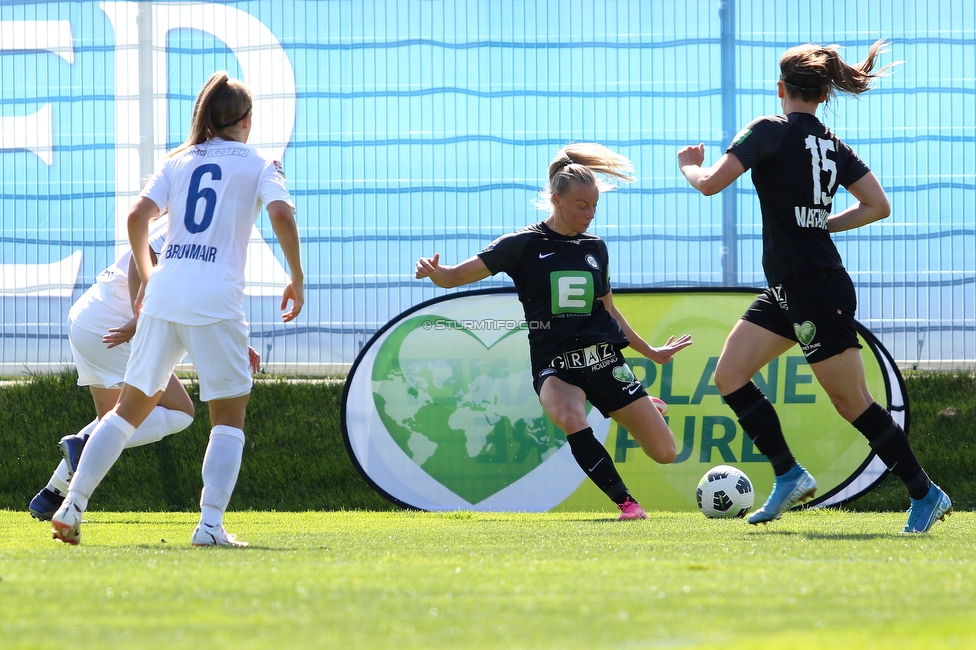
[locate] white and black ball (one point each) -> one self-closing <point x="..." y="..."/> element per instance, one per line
<point x="725" y="492"/>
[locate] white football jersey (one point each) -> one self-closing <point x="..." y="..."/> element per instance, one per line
<point x="106" y="304"/>
<point x="214" y="192"/>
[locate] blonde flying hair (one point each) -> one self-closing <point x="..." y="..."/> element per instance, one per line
<point x="811" y="72"/>
<point x="222" y="103"/>
<point x="580" y="162"/>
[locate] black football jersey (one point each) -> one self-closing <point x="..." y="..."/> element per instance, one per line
<point x="559" y="279"/>
<point x="797" y="165"/>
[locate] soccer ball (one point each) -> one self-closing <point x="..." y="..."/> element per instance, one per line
<point x="725" y="492"/>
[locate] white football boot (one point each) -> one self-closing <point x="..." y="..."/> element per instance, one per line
<point x="204" y="535"/>
<point x="66" y="523"/>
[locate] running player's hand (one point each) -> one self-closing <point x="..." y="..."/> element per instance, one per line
<point x="428" y="266"/>
<point x="447" y="276"/>
<point x="691" y="156"/>
<point x="294" y="292"/>
<point x="663" y="354"/>
<point x="119" y="335"/>
<point x="254" y="359"/>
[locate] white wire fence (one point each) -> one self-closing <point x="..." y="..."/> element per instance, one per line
<point x="409" y="128"/>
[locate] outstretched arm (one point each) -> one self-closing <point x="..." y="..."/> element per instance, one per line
<point x="659" y="355"/>
<point x="708" y="180"/>
<point x="468" y="271"/>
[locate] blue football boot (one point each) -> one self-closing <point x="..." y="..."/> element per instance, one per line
<point x="789" y="489"/>
<point x="45" y="504"/>
<point x="71" y="448"/>
<point x="924" y="512"/>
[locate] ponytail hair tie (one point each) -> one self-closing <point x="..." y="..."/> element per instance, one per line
<point x="224" y="126"/>
<point x="809" y="90"/>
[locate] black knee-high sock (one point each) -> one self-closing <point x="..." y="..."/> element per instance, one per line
<point x="761" y="423"/>
<point x="595" y="460"/>
<point x="889" y="442"/>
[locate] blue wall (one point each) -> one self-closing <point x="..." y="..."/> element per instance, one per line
<point x="427" y="126"/>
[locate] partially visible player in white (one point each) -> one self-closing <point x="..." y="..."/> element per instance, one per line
<point x="213" y="186"/>
<point x="100" y="324"/>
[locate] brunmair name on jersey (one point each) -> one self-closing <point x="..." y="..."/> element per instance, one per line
<point x="191" y="252"/>
<point x="811" y="217"/>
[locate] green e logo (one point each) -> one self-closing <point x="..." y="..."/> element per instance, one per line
<point x="572" y="292"/>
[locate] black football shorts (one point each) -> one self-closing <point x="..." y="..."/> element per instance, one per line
<point x="814" y="308"/>
<point x="600" y="371"/>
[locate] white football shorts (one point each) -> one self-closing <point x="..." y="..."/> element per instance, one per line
<point x="97" y="364"/>
<point x="218" y="352"/>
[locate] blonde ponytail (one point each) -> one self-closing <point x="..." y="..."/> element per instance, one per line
<point x="582" y="162"/>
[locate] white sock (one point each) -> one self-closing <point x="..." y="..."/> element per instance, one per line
<point x="101" y="451"/>
<point x="160" y="423"/>
<point x="87" y="431"/>
<point x="59" y="480"/>
<point x="221" y="465"/>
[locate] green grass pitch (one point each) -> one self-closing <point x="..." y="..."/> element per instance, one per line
<point x="815" y="579"/>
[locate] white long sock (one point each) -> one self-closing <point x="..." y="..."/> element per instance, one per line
<point x="59" y="480"/>
<point x="101" y="451"/>
<point x="160" y="423"/>
<point x="87" y="431"/>
<point x="221" y="465"/>
<point x="58" y="483"/>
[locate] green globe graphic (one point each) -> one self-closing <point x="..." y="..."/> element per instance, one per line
<point x="465" y="413"/>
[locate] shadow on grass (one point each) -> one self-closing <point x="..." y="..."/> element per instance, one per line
<point x="826" y="536"/>
<point x="181" y="546"/>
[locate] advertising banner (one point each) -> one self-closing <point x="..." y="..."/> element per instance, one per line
<point x="439" y="412"/>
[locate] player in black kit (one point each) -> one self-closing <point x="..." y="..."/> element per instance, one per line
<point x="797" y="165"/>
<point x="576" y="335"/>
